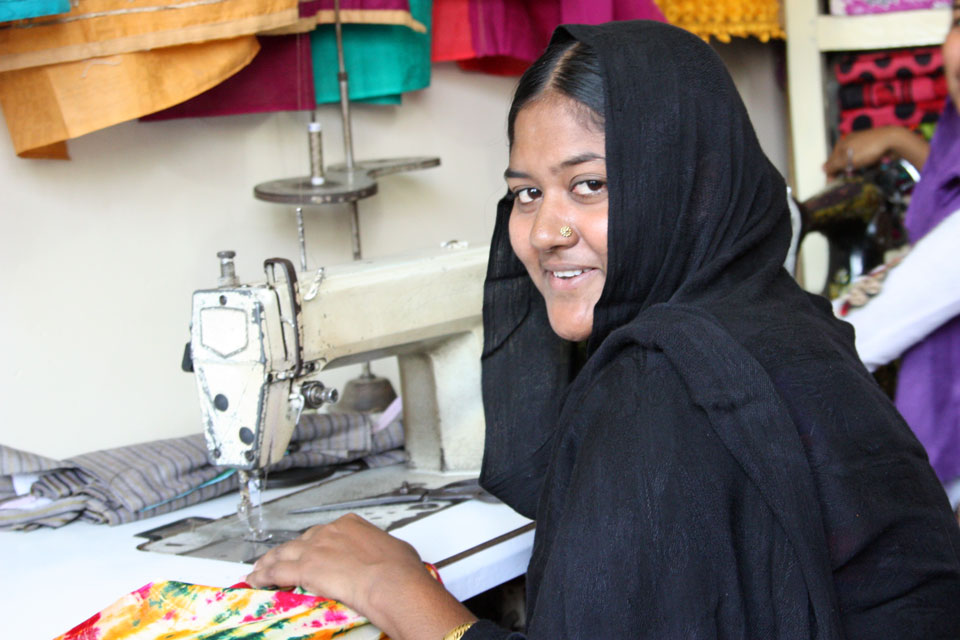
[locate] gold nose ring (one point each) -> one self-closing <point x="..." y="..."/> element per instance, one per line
<point x="565" y="231"/>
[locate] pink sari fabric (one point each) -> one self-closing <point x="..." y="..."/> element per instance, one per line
<point x="506" y="36"/>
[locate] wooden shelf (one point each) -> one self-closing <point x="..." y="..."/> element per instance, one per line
<point x="883" y="30"/>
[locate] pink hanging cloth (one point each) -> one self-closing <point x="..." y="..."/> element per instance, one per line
<point x="506" y="36"/>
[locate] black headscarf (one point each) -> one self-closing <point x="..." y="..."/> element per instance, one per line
<point x="698" y="230"/>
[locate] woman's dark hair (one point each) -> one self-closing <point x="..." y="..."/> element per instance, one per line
<point x="571" y="69"/>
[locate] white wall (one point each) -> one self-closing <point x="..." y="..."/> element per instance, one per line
<point x="99" y="255"/>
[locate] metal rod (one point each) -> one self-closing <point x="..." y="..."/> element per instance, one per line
<point x="303" y="241"/>
<point x="315" y="138"/>
<point x="344" y="89"/>
<point x="355" y="230"/>
<point x="348" y="144"/>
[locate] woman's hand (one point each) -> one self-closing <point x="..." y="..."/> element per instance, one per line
<point x="345" y="560"/>
<point x="864" y="148"/>
<point x="379" y="576"/>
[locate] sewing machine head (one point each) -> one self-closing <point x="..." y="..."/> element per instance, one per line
<point x="258" y="351"/>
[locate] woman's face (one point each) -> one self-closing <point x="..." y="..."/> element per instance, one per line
<point x="951" y="56"/>
<point x="558" y="226"/>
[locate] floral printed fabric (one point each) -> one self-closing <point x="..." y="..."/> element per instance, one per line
<point x="167" y="610"/>
<point x="192" y="612"/>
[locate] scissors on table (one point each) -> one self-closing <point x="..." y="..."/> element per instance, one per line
<point x="409" y="493"/>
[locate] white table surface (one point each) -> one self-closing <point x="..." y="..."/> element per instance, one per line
<point x="53" y="579"/>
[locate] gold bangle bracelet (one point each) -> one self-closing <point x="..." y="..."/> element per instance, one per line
<point x="457" y="632"/>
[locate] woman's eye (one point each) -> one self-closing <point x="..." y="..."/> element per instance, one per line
<point x="589" y="187"/>
<point x="527" y="195"/>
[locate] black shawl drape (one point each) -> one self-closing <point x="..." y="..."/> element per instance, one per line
<point x="722" y="466"/>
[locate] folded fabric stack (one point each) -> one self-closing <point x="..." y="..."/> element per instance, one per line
<point x="139" y="481"/>
<point x="861" y="7"/>
<point x="108" y="61"/>
<point x="902" y="87"/>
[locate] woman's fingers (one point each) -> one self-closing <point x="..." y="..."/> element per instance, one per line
<point x="280" y="573"/>
<point x="860" y="149"/>
<point x="343" y="560"/>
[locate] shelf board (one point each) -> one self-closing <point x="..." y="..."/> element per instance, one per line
<point x="883" y="30"/>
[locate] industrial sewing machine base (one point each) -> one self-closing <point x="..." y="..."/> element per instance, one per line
<point x="226" y="538"/>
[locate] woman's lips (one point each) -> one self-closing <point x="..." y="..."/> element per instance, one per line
<point x="568" y="277"/>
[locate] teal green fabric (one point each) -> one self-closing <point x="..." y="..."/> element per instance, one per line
<point x="21" y="9"/>
<point x="382" y="61"/>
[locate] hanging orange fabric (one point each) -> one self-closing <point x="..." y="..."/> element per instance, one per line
<point x="46" y="105"/>
<point x="97" y="28"/>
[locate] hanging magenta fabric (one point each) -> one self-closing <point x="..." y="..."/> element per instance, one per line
<point x="507" y="36"/>
<point x="280" y="78"/>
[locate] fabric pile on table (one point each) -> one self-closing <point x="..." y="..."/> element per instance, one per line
<point x="904" y="87"/>
<point x="130" y="483"/>
<point x="195" y="612"/>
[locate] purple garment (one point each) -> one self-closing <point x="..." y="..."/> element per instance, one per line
<point x="522" y="30"/>
<point x="928" y="391"/>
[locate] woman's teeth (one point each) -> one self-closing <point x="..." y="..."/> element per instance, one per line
<point x="567" y="274"/>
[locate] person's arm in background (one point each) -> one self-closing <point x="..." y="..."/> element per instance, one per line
<point x="919" y="294"/>
<point x="864" y="148"/>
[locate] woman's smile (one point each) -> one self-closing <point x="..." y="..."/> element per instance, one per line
<point x="568" y="278"/>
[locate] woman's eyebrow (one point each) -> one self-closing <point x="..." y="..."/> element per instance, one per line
<point x="569" y="162"/>
<point x="578" y="159"/>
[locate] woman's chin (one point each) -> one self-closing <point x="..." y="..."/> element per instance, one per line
<point x="572" y="330"/>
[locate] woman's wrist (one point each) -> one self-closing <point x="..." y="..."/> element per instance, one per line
<point x="910" y="146"/>
<point x="416" y="607"/>
<point x="457" y="632"/>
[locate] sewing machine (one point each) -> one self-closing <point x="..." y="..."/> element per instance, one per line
<point x="259" y="352"/>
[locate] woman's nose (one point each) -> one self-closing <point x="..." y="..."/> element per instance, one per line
<point x="553" y="228"/>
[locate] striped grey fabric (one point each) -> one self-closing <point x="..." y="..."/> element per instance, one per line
<point x="121" y="485"/>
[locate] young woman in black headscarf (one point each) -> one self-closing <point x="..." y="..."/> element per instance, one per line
<point x="702" y="450"/>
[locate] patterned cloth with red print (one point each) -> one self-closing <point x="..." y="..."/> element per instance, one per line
<point x="901" y="87"/>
